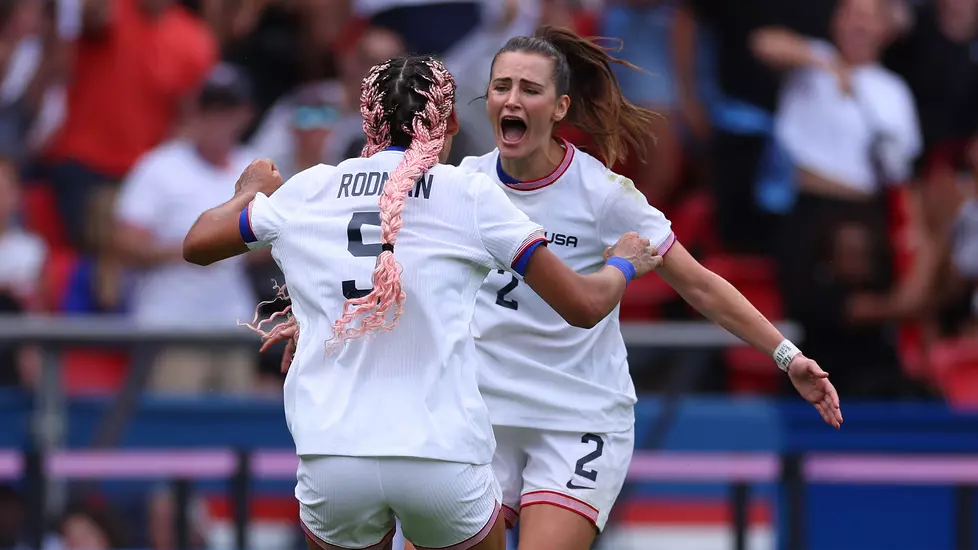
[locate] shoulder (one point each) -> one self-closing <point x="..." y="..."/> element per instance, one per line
<point x="470" y="181"/>
<point x="164" y="159"/>
<point x="166" y="152"/>
<point x="891" y="82"/>
<point x="479" y="164"/>
<point x="595" y="177"/>
<point x="586" y="164"/>
<point x="823" y="49"/>
<point x="318" y="172"/>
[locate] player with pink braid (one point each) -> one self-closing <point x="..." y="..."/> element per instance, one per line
<point x="393" y="426"/>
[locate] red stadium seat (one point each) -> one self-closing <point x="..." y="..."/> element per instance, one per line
<point x="748" y="370"/>
<point x="93" y="371"/>
<point x="955" y="367"/>
<point x="754" y="276"/>
<point x="644" y="297"/>
<point x="692" y="222"/>
<point x="41" y="214"/>
<point x="60" y="265"/>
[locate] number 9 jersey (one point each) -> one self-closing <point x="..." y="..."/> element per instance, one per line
<point x="411" y="391"/>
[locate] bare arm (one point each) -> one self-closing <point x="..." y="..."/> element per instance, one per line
<point x="718" y="300"/>
<point x="582" y="300"/>
<point x="784" y="49"/>
<point x="216" y="236"/>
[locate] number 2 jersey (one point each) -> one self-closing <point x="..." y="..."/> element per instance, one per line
<point x="536" y="370"/>
<point x="411" y="391"/>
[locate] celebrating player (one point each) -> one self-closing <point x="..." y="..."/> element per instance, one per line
<point x="560" y="398"/>
<point x="394" y="426"/>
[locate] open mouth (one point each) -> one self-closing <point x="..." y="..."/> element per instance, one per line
<point x="512" y="129"/>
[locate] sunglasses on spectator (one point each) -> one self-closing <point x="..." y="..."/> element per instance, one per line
<point x="314" y="118"/>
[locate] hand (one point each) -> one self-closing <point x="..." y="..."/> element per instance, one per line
<point x="636" y="250"/>
<point x="813" y="384"/>
<point x="289" y="331"/>
<point x="261" y="176"/>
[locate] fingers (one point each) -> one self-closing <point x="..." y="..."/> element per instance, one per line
<point x="287" y="357"/>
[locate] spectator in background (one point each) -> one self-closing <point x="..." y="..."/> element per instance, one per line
<point x="23" y="255"/>
<point x="136" y="61"/>
<point x="849" y="126"/>
<point x="644" y="26"/>
<point x="12" y="519"/>
<point x="296" y="132"/>
<point x="159" y="202"/>
<point x="742" y="116"/>
<point x="859" y="341"/>
<point x="90" y="528"/>
<point x="375" y="45"/>
<point x="414" y="21"/>
<point x="161" y="516"/>
<point x="281" y="44"/>
<point x="937" y="58"/>
<point x="31" y="63"/>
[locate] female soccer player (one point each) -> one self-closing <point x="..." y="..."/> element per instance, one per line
<point x="394" y="427"/>
<point x="560" y="398"/>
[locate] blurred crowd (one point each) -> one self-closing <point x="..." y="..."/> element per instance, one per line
<point x="818" y="154"/>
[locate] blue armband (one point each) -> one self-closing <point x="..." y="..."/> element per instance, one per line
<point x="244" y="227"/>
<point x="623" y="265"/>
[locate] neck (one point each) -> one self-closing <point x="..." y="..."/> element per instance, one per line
<point x="539" y="164"/>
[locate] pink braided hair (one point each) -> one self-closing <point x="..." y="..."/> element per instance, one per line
<point x="375" y="125"/>
<point x="256" y="324"/>
<point x="377" y="129"/>
<point x="427" y="134"/>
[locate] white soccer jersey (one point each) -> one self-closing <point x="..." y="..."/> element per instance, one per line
<point x="536" y="370"/>
<point x="412" y="391"/>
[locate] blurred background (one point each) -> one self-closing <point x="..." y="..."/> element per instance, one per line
<point x="819" y="154"/>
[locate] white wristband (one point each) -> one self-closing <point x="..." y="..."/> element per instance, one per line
<point x="784" y="353"/>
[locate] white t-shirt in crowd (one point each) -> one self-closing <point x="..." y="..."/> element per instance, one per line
<point x="23" y="256"/>
<point x="169" y="188"/>
<point x="536" y="370"/>
<point x="830" y="133"/>
<point x="411" y="391"/>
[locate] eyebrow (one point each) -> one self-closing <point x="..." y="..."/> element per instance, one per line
<point x="509" y="79"/>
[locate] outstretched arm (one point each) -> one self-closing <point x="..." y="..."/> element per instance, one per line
<point x="723" y="304"/>
<point x="584" y="300"/>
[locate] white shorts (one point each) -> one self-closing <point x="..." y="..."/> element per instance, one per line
<point x="582" y="473"/>
<point x="350" y="503"/>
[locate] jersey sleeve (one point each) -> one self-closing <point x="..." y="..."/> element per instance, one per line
<point x="507" y="233"/>
<point x="262" y="220"/>
<point x="627" y="210"/>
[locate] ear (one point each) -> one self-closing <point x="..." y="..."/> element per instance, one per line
<point x="452" y="128"/>
<point x="563" y="106"/>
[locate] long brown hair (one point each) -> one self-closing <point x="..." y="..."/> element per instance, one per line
<point x="583" y="70"/>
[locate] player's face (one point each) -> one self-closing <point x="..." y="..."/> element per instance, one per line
<point x="523" y="103"/>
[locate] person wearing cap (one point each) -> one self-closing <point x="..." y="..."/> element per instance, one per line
<point x="160" y="200"/>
